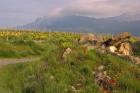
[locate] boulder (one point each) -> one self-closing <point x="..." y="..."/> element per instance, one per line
<point x="107" y="43"/>
<point x="117" y="39"/>
<point x="112" y="49"/>
<point x="119" y="44"/>
<point x="125" y="49"/>
<point x="121" y="36"/>
<point x="88" y="38"/>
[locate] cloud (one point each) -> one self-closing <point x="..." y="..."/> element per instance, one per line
<point x="25" y="11"/>
<point x="100" y="8"/>
<point x="55" y="12"/>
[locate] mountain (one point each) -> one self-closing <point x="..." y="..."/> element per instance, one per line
<point x="86" y="24"/>
<point x="125" y="17"/>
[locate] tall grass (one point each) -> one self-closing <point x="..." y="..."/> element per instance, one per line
<point x="53" y="74"/>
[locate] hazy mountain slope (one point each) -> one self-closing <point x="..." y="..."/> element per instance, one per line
<point x="125" y="17"/>
<point x="83" y="24"/>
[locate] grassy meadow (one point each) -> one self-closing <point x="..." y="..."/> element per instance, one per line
<point x="52" y="73"/>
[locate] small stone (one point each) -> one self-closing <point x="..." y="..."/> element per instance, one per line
<point x="66" y="53"/>
<point x="101" y="68"/>
<point x="52" y="77"/>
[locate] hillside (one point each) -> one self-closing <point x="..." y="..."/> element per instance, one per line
<point x="60" y="71"/>
<point x="86" y="24"/>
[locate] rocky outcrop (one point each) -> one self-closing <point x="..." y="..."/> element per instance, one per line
<point x="89" y="42"/>
<point x="88" y="38"/>
<point x="121" y="36"/>
<point x="116" y="40"/>
<point x="119" y="44"/>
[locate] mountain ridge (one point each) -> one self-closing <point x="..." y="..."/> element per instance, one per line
<point x="85" y="24"/>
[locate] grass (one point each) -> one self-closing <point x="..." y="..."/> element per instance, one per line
<point x="17" y="51"/>
<point x="52" y="74"/>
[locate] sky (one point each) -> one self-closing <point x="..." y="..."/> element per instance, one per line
<point x="19" y="12"/>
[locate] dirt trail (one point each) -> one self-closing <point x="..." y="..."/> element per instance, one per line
<point x="6" y="61"/>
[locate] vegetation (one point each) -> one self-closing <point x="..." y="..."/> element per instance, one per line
<point x="21" y="43"/>
<point x="52" y="73"/>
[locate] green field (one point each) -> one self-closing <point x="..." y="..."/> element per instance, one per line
<point x="53" y="74"/>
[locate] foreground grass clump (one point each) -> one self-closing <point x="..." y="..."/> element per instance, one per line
<point x="53" y="74"/>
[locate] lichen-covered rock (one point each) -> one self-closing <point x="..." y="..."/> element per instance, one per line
<point x="125" y="49"/>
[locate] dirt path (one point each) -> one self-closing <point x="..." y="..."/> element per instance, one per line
<point x="6" y="61"/>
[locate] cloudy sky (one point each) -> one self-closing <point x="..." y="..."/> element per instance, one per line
<point x="17" y="12"/>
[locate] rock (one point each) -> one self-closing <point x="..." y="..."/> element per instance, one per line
<point x="66" y="53"/>
<point x="107" y="43"/>
<point x="121" y="36"/>
<point x="51" y="77"/>
<point x="103" y="80"/>
<point x="75" y="90"/>
<point x="88" y="38"/>
<point x="101" y="68"/>
<point x="112" y="49"/>
<point x="117" y="39"/>
<point x="119" y="44"/>
<point x="136" y="60"/>
<point x="125" y="49"/>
